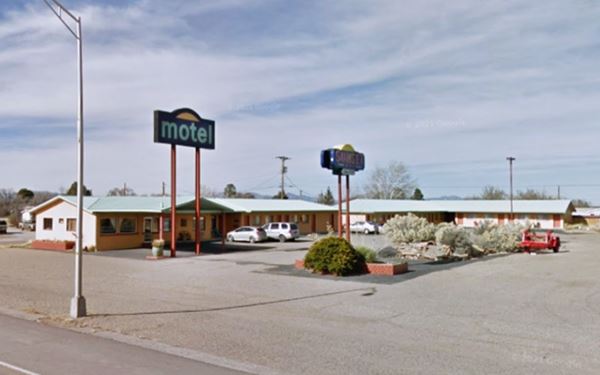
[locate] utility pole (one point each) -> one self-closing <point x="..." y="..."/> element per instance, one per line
<point x="78" y="304"/>
<point x="124" y="189"/>
<point x="558" y="191"/>
<point x="163" y="189"/>
<point x="510" y="162"/>
<point x="283" y="172"/>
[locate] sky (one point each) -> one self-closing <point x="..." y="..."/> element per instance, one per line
<point x="448" y="88"/>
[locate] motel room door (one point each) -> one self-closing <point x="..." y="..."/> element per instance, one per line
<point x="147" y="229"/>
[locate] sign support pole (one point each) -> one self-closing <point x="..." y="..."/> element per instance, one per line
<point x="198" y="202"/>
<point x="348" y="208"/>
<point x="173" y="200"/>
<point x="339" y="206"/>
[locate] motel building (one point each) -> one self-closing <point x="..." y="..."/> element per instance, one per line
<point x="587" y="216"/>
<point x="111" y="223"/>
<point x="544" y="214"/>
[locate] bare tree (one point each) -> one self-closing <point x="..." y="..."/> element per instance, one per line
<point x="390" y="182"/>
<point x="534" y="195"/>
<point x="121" y="192"/>
<point x="491" y="193"/>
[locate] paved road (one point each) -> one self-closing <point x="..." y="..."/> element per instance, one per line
<point x="27" y="347"/>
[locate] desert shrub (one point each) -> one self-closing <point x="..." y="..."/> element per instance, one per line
<point x="457" y="238"/>
<point x="369" y="255"/>
<point x="408" y="229"/>
<point x="484" y="226"/>
<point x="500" y="238"/>
<point x="334" y="255"/>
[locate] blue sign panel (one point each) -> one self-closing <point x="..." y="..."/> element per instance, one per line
<point x="184" y="127"/>
<point x="342" y="161"/>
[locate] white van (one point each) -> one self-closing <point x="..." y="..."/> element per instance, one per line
<point x="282" y="231"/>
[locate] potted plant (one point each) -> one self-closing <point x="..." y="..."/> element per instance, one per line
<point x="157" y="247"/>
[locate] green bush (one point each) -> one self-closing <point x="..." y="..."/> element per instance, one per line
<point x="334" y="255"/>
<point x="409" y="229"/>
<point x="369" y="255"/>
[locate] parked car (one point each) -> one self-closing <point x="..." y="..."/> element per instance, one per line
<point x="366" y="227"/>
<point x="27" y="225"/>
<point x="250" y="234"/>
<point x="282" y="231"/>
<point x="3" y="226"/>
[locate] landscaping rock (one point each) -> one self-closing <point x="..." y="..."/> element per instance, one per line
<point x="388" y="252"/>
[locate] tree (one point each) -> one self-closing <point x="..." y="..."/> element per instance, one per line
<point x="492" y="193"/>
<point x="121" y="192"/>
<point x="73" y="190"/>
<point x="391" y="182"/>
<point x="25" y="194"/>
<point x="207" y="191"/>
<point x="230" y="191"/>
<point x="531" y="194"/>
<point x="246" y="195"/>
<point x="326" y="198"/>
<point x="417" y="195"/>
<point x="581" y="203"/>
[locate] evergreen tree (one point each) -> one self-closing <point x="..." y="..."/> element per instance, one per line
<point x="73" y="190"/>
<point x="417" y="195"/>
<point x="326" y="198"/>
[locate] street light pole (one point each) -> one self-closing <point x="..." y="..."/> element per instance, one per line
<point x="78" y="305"/>
<point x="510" y="162"/>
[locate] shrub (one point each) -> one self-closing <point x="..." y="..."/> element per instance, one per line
<point x="369" y="255"/>
<point x="500" y="238"/>
<point x="334" y="255"/>
<point x="484" y="226"/>
<point x="408" y="229"/>
<point x="457" y="238"/>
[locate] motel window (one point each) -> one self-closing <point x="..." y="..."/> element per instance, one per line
<point x="202" y="223"/>
<point x="305" y="218"/>
<point x="61" y="220"/>
<point x="490" y="216"/>
<point x="256" y="219"/>
<point x="183" y="223"/>
<point x="294" y="218"/>
<point x="269" y="218"/>
<point x="167" y="224"/>
<point x="127" y="225"/>
<point x="108" y="225"/>
<point x="71" y="223"/>
<point x="48" y="223"/>
<point x="151" y="225"/>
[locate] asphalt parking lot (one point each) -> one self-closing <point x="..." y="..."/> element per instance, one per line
<point x="16" y="236"/>
<point x="514" y="314"/>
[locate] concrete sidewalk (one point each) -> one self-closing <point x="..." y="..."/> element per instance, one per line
<point x="517" y="314"/>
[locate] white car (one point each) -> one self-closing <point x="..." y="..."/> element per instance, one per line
<point x="249" y="234"/>
<point x="282" y="231"/>
<point x="366" y="227"/>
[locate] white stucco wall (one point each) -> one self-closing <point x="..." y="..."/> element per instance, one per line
<point x="59" y="231"/>
<point x="545" y="221"/>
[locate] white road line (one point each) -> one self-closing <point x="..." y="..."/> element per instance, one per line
<point x="21" y="370"/>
